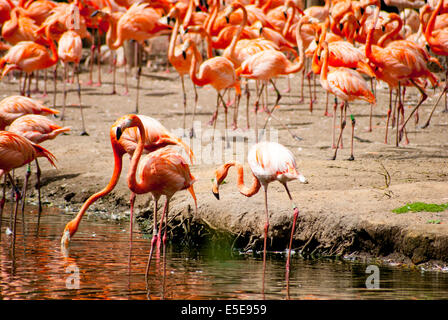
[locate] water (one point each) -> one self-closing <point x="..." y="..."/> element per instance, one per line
<point x="107" y="267"/>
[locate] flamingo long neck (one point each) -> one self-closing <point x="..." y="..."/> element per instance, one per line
<point x="431" y="23"/>
<point x="337" y="17"/>
<point x="369" y="53"/>
<point x="242" y="188"/>
<point x="194" y="61"/>
<point x="12" y="26"/>
<point x="393" y="32"/>
<point x="265" y="7"/>
<point x="133" y="184"/>
<point x="118" y="163"/>
<point x="209" y="24"/>
<point x="54" y="53"/>
<point x="289" y="19"/>
<point x="240" y="29"/>
<point x="189" y="14"/>
<point x="298" y="64"/>
<point x="111" y="36"/>
<point x="173" y="39"/>
<point x="324" y="69"/>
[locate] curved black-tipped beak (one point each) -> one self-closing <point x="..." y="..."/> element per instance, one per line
<point x="94" y="13"/>
<point x="184" y="54"/>
<point x="383" y="28"/>
<point x="227" y="19"/>
<point x="285" y="14"/>
<point x="118" y="133"/>
<point x="341" y="26"/>
<point x="216" y="194"/>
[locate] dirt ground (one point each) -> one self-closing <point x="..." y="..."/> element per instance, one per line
<point x="345" y="208"/>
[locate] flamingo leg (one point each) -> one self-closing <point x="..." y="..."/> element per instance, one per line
<point x="84" y="132"/>
<point x="39" y="212"/>
<point x="28" y="94"/>
<point x="444" y="91"/>
<point x="247" y="91"/>
<point x="335" y="107"/>
<point x="17" y="199"/>
<point x="192" y="134"/>
<point x="388" y="115"/>
<point x="422" y="99"/>
<point x="257" y="104"/>
<point x="352" y="118"/>
<point x="225" y="118"/>
<point x="139" y="72"/>
<point x="340" y="138"/>
<point x="2" y="204"/>
<point x="65" y="92"/>
<point x="45" y="83"/>
<point x="131" y="215"/>
<point x="235" y="112"/>
<point x="164" y="213"/>
<point x="55" y="78"/>
<point x="279" y="96"/>
<point x="184" y="95"/>
<point x="25" y="186"/>
<point x="99" y="57"/>
<point x="266" y="229"/>
<point x="296" y="213"/>
<point x="114" y="70"/>
<point x="91" y="62"/>
<point x="154" y="239"/>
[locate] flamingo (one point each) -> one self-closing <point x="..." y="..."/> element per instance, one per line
<point x="17" y="151"/>
<point x="347" y="85"/>
<point x="29" y="56"/>
<point x="111" y="36"/>
<point x="268" y="162"/>
<point x="180" y="62"/>
<point x="19" y="28"/>
<point x="163" y="172"/>
<point x="156" y="137"/>
<point x="402" y="60"/>
<point x="140" y="22"/>
<point x="438" y="42"/>
<point x="6" y="7"/>
<point x="219" y="72"/>
<point x="318" y="12"/>
<point x="13" y="107"/>
<point x="37" y="10"/>
<point x="70" y="50"/>
<point x="37" y="129"/>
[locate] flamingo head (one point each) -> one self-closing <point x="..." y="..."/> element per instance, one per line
<point x="69" y="231"/>
<point x="230" y="9"/>
<point x="187" y="44"/>
<point x="172" y="15"/>
<point x="125" y="122"/>
<point x="220" y="175"/>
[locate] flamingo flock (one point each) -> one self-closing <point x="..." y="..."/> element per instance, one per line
<point x="344" y="44"/>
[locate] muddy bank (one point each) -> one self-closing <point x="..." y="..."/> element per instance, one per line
<point x="346" y="208"/>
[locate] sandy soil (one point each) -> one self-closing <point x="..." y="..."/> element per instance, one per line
<point x="345" y="208"/>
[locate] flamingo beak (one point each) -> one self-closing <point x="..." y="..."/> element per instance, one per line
<point x="119" y="133"/>
<point x="215" y="189"/>
<point x="65" y="240"/>
<point x="184" y="54"/>
<point x="96" y="12"/>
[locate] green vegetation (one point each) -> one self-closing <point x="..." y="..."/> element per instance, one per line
<point x="432" y="221"/>
<point x="421" y="206"/>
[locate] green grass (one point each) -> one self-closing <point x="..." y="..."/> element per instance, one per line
<point x="421" y="206"/>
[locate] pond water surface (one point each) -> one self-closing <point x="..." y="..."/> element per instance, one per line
<point x="101" y="264"/>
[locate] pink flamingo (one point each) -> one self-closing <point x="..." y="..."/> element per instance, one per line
<point x="163" y="172"/>
<point x="268" y="162"/>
